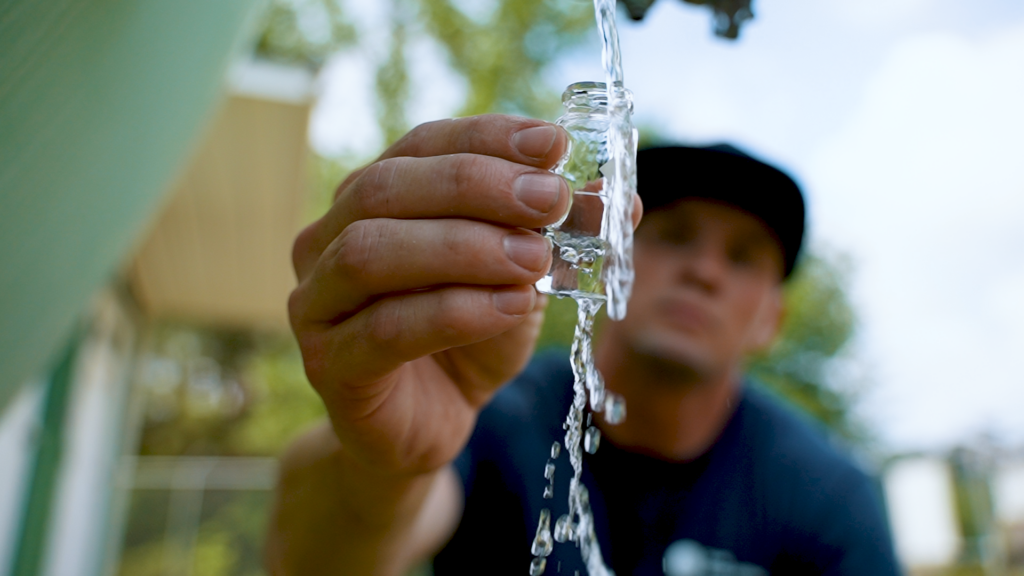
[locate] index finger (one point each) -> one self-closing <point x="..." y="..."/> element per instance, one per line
<point x="522" y="140"/>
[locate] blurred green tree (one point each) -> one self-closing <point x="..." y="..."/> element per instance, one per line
<point x="304" y="32"/>
<point x="224" y="393"/>
<point x="801" y="366"/>
<point x="503" y="53"/>
<point x="393" y="84"/>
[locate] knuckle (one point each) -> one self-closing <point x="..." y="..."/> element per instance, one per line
<point x="473" y="133"/>
<point x="352" y="254"/>
<point x="452" y="240"/>
<point x="469" y="172"/>
<point x="304" y="249"/>
<point x="483" y="129"/>
<point x="425" y="128"/>
<point x="315" y="359"/>
<point x="370" y="192"/>
<point x="422" y="133"/>
<point x="384" y="326"/>
<point x="347" y="182"/>
<point x="473" y="245"/>
<point x="457" y="314"/>
<point x="296" y="309"/>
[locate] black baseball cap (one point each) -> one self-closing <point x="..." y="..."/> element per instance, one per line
<point x="724" y="173"/>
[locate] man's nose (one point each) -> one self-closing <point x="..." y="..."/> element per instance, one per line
<point x="705" y="265"/>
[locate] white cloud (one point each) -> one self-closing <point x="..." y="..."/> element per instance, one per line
<point x="344" y="121"/>
<point x="880" y="12"/>
<point x="437" y="90"/>
<point x="925" y="185"/>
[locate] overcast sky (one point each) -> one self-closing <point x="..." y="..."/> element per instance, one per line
<point x="903" y="119"/>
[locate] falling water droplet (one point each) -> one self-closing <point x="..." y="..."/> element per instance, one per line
<point x="542" y="543"/>
<point x="537" y="566"/>
<point x="563" y="528"/>
<point x="615" y="408"/>
<point x="590" y="418"/>
<point x="549" y="492"/>
<point x="595" y="385"/>
<point x="591" y="439"/>
<point x="597" y="397"/>
<point x="584" y="499"/>
<point x="549" y="470"/>
<point x="556" y="449"/>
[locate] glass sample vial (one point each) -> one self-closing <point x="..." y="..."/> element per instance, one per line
<point x="580" y="242"/>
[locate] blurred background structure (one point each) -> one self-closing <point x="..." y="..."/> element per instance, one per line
<point x="157" y="160"/>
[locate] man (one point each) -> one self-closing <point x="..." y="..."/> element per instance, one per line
<point x="415" y="305"/>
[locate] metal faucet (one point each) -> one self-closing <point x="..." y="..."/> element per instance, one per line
<point x="728" y="15"/>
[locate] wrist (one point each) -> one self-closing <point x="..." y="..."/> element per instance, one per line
<point x="364" y="494"/>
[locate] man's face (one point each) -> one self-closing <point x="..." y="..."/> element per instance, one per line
<point x="707" y="288"/>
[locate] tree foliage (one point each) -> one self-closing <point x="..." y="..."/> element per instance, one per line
<point x="501" y="48"/>
<point x="801" y="366"/>
<point x="304" y="32"/>
<point x="393" y="85"/>
<point x="224" y="393"/>
<point x="503" y="55"/>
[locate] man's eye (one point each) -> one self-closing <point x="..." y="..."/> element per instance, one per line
<point x="743" y="255"/>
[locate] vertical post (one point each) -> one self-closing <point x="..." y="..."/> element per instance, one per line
<point x="31" y="547"/>
<point x="133" y="414"/>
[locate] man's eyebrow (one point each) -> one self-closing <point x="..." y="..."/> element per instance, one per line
<point x="756" y="235"/>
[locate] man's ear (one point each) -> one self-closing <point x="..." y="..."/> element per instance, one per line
<point x="768" y="322"/>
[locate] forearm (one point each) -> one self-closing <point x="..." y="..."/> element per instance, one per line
<point x="335" y="516"/>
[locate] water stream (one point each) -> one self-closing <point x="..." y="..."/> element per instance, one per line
<point x="612" y="258"/>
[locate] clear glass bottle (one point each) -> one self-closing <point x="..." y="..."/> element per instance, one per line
<point x="580" y="241"/>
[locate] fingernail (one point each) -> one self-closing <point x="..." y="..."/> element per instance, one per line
<point x="538" y="191"/>
<point x="535" y="142"/>
<point x="513" y="302"/>
<point x="527" y="250"/>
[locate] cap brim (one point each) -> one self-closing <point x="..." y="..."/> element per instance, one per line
<point x="667" y="174"/>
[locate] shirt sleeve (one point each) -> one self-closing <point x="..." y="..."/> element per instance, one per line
<point x="858" y="530"/>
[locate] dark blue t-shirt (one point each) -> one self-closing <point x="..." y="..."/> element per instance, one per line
<point x="771" y="496"/>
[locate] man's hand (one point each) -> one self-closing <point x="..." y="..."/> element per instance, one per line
<point x="415" y="304"/>
<point x="415" y="299"/>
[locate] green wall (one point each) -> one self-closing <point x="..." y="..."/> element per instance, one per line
<point x="100" y="102"/>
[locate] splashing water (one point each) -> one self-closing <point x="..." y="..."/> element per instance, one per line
<point x="579" y="522"/>
<point x="620" y="172"/>
<point x="542" y="543"/>
<point x="615" y="247"/>
<point x="591" y="440"/>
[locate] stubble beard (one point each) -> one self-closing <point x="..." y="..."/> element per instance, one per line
<point x="673" y="368"/>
